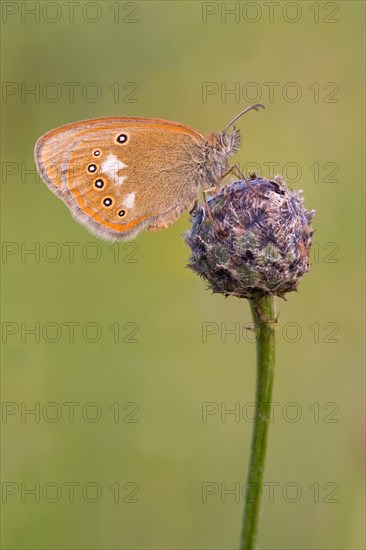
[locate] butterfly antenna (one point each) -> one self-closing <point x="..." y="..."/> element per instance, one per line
<point x="256" y="107"/>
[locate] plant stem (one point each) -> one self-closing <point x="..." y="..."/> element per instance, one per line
<point x="263" y="311"/>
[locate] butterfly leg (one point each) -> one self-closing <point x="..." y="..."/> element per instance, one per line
<point x="207" y="209"/>
<point x="193" y="207"/>
<point x="236" y="171"/>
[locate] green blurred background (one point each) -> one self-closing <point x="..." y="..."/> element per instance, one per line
<point x="160" y="452"/>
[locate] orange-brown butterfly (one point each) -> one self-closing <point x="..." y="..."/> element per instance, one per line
<point x="120" y="175"/>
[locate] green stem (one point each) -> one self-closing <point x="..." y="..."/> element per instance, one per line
<point x="263" y="311"/>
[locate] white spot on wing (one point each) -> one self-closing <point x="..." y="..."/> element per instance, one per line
<point x="129" y="201"/>
<point x="111" y="166"/>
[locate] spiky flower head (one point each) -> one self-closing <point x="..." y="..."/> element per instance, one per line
<point x="251" y="239"/>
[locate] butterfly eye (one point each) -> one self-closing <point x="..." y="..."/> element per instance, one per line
<point x="99" y="183"/>
<point x="122" y="213"/>
<point x="122" y="138"/>
<point x="92" y="168"/>
<point x="107" y="201"/>
<point x="96" y="153"/>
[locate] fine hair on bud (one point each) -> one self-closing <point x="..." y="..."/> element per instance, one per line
<point x="252" y="239"/>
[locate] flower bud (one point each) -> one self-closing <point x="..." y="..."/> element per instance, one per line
<point x="251" y="239"/>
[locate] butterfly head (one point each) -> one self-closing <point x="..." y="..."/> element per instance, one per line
<point x="221" y="146"/>
<point x="228" y="142"/>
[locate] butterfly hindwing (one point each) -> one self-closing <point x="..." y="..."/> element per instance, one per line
<point x="119" y="175"/>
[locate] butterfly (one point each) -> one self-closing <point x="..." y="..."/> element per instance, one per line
<point x="120" y="175"/>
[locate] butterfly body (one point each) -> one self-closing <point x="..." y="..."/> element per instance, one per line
<point x="119" y="175"/>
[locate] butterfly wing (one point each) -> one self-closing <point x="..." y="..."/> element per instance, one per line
<point x="119" y="175"/>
